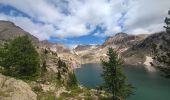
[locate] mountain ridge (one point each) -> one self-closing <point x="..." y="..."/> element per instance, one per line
<point x="127" y="45"/>
<point x="8" y="31"/>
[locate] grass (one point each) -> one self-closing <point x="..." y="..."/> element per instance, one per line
<point x="84" y="93"/>
<point x="46" y="96"/>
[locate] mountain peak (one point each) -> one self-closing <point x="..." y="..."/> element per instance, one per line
<point x="6" y="22"/>
<point x="9" y="30"/>
<point x="123" y="39"/>
<point x="121" y="34"/>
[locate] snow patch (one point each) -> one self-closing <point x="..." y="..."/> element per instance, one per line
<point x="148" y="65"/>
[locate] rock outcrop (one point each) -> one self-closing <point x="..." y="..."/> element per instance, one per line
<point x="13" y="89"/>
<point x="85" y="47"/>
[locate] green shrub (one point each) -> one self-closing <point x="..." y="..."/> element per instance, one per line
<point x="61" y="64"/>
<point x="72" y="81"/>
<point x="37" y="88"/>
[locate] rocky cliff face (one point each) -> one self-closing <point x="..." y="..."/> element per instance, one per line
<point x="12" y="89"/>
<point x="147" y="43"/>
<point x="138" y="52"/>
<point x="157" y="45"/>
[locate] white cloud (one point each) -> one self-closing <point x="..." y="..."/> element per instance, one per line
<point x="147" y="15"/>
<point x="39" y="9"/>
<point x="139" y="31"/>
<point x="73" y="18"/>
<point x="41" y="31"/>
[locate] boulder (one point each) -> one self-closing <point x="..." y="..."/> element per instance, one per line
<point x="13" y="89"/>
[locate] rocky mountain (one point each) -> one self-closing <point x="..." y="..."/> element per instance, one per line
<point x="120" y="42"/>
<point x="123" y="40"/>
<point x="161" y="53"/>
<point x="135" y="49"/>
<point x="137" y="53"/>
<point x="55" y="47"/>
<point x="118" y="38"/>
<point x="86" y="53"/>
<point x="9" y="30"/>
<point x="147" y="43"/>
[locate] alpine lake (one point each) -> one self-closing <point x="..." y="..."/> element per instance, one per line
<point x="148" y="85"/>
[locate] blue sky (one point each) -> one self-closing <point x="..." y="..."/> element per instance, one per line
<point x="87" y="39"/>
<point x="73" y="22"/>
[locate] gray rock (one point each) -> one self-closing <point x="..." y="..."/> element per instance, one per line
<point x="13" y="89"/>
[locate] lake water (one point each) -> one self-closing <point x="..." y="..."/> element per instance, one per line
<point x="149" y="85"/>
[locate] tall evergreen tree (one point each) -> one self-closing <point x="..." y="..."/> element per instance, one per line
<point x="22" y="59"/>
<point x="167" y="22"/>
<point x="115" y="79"/>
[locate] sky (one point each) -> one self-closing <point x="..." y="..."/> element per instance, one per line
<point x="73" y="22"/>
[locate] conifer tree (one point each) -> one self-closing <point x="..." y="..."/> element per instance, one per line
<point x="167" y="22"/>
<point x="72" y="81"/>
<point x="115" y="79"/>
<point x="22" y="59"/>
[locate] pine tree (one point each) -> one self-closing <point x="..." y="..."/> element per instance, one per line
<point x="21" y="60"/>
<point x="72" y="81"/>
<point x="115" y="79"/>
<point x="61" y="64"/>
<point x="167" y="22"/>
<point x="59" y="75"/>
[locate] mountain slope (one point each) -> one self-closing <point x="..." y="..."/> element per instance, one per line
<point x="137" y="53"/>
<point x="9" y="30"/>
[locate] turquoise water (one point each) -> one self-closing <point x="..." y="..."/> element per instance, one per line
<point x="149" y="85"/>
